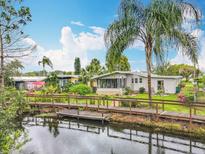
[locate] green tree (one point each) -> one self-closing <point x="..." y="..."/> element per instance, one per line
<point x="52" y="80"/>
<point x="77" y="66"/>
<point x="13" y="16"/>
<point x="157" y="25"/>
<point x="121" y="65"/>
<point x="45" y="61"/>
<point x="13" y="105"/>
<point x="162" y="69"/>
<point x="94" y="68"/>
<point x="12" y="69"/>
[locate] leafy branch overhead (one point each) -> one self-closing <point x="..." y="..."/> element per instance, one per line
<point x="13" y="42"/>
<point x="158" y="25"/>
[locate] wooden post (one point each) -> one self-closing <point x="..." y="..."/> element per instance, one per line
<point x="76" y="100"/>
<point x="35" y="99"/>
<point x="162" y="105"/>
<point x="190" y="114"/>
<point x="157" y="111"/>
<point x="86" y="103"/>
<point x="107" y="104"/>
<point x="98" y="104"/>
<point x="78" y="113"/>
<point x="130" y="104"/>
<point x="194" y="110"/>
<point x="114" y="103"/>
<point x="69" y="101"/>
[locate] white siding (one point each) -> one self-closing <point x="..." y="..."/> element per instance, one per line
<point x="169" y="85"/>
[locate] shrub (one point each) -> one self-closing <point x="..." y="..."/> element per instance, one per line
<point x="81" y="89"/>
<point x="141" y="90"/>
<point x="67" y="87"/>
<point x="128" y="91"/>
<point x="160" y="92"/>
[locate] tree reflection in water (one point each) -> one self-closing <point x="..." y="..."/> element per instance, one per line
<point x="156" y="143"/>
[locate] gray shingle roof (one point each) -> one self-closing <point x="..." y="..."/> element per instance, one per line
<point x="142" y="74"/>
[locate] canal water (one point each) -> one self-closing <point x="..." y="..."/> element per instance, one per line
<point x="52" y="136"/>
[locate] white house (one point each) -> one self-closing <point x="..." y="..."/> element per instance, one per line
<point x="116" y="82"/>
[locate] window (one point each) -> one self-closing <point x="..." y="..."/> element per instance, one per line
<point x="160" y="85"/>
<point x="132" y="80"/>
<point x="136" y="80"/>
<point x="140" y="80"/>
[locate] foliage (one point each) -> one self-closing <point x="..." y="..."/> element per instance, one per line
<point x="121" y="65"/>
<point x="49" y="89"/>
<point x="13" y="104"/>
<point x="81" y="89"/>
<point x="41" y="73"/>
<point x="160" y="92"/>
<point x="157" y="25"/>
<point x="12" y="39"/>
<point x="201" y="81"/>
<point x="45" y="61"/>
<point x="77" y="66"/>
<point x="128" y="91"/>
<point x="177" y="69"/>
<point x="12" y="69"/>
<point x="68" y="86"/>
<point x="94" y="68"/>
<point x="52" y="79"/>
<point x="141" y="90"/>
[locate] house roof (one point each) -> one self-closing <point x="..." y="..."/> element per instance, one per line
<point x="141" y="74"/>
<point x="108" y="74"/>
<point x="29" y="78"/>
<point x="144" y="74"/>
<point x="39" y="78"/>
<point x="68" y="76"/>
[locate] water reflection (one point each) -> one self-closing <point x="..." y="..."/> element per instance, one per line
<point x="76" y="137"/>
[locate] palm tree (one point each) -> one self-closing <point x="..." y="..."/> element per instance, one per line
<point x="45" y="61"/>
<point x="157" y="25"/>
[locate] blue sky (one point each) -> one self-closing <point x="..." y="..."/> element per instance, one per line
<point x="68" y="28"/>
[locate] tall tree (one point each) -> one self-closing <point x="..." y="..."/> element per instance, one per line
<point x="45" y="61"/>
<point x="77" y="66"/>
<point x="12" y="68"/>
<point x="94" y="68"/>
<point x="122" y="64"/>
<point x="157" y="25"/>
<point x="13" y="43"/>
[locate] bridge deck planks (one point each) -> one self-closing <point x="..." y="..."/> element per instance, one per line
<point x="91" y="115"/>
<point x="126" y="110"/>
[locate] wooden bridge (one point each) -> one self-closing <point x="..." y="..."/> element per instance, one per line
<point x="121" y="105"/>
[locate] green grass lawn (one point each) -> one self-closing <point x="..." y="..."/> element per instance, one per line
<point x="165" y="97"/>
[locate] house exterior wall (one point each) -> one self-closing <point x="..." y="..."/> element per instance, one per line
<point x="170" y="84"/>
<point x="109" y="91"/>
<point x="73" y="80"/>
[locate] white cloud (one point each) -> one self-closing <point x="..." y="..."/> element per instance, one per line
<point x="78" y="23"/>
<point x="200" y="34"/>
<point x="73" y="45"/>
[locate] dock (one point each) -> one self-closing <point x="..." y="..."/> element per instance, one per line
<point x="87" y="115"/>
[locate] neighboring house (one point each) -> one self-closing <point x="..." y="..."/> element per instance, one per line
<point x="28" y="82"/>
<point x="36" y="82"/>
<point x="116" y="82"/>
<point x="64" y="79"/>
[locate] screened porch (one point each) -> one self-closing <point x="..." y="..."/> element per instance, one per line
<point x="111" y="83"/>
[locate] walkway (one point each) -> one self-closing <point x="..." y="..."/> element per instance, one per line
<point x="126" y="110"/>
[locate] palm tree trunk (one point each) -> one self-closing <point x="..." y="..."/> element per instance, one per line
<point x="148" y="49"/>
<point x="2" y="63"/>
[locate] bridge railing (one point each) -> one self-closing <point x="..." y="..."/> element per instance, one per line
<point x="159" y="106"/>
